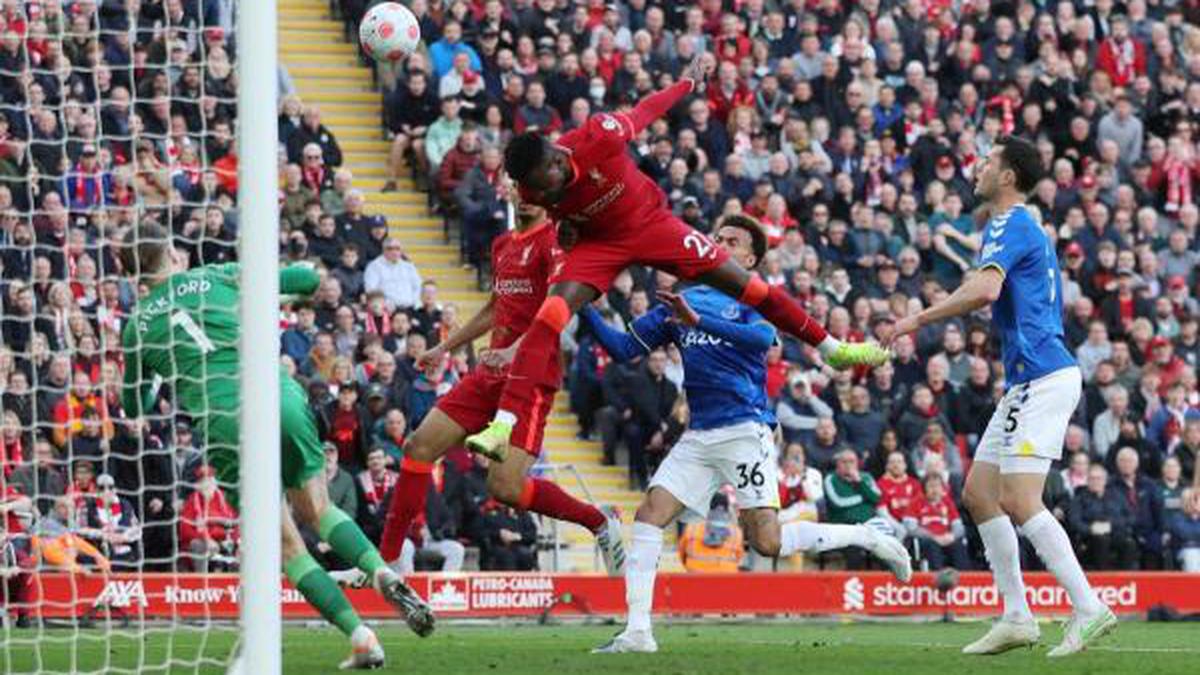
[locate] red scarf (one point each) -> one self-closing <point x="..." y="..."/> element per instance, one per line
<point x="379" y="325"/>
<point x="375" y="489"/>
<point x="11" y="454"/>
<point x="1179" y="183"/>
<point x="314" y="177"/>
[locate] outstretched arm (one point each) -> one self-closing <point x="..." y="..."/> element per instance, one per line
<point x="657" y="104"/>
<point x="479" y="325"/>
<point x="979" y="289"/>
<point x="644" y="335"/>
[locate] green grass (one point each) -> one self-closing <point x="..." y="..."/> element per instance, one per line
<point x="775" y="647"/>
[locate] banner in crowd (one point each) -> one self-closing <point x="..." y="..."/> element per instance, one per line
<point x="483" y="594"/>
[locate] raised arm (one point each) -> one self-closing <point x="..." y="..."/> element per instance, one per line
<point x="645" y="334"/>
<point x="657" y="104"/>
<point x="979" y="289"/>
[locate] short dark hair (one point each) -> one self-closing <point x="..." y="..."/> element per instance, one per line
<point x="758" y="238"/>
<point x="524" y="153"/>
<point x="1022" y="157"/>
<point x="144" y="248"/>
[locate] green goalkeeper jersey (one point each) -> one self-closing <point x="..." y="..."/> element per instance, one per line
<point x="186" y="332"/>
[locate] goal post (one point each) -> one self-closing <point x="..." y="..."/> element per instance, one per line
<point x="259" y="252"/>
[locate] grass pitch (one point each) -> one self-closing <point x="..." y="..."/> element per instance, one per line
<point x="752" y="648"/>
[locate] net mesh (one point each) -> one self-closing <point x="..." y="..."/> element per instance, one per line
<point x="113" y="113"/>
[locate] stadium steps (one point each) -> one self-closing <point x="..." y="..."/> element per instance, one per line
<point x="327" y="72"/>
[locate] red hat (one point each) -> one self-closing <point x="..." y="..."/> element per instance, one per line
<point x="1176" y="282"/>
<point x="206" y="471"/>
<point x="470" y="77"/>
<point x="1088" y="182"/>
<point x="1159" y="341"/>
<point x="944" y="162"/>
<point x="214" y="33"/>
<point x="1074" y="248"/>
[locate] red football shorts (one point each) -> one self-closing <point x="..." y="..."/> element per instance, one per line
<point x="473" y="402"/>
<point x="662" y="241"/>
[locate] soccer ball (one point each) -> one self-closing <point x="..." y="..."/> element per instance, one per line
<point x="389" y="32"/>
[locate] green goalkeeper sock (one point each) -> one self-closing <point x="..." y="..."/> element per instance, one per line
<point x="348" y="541"/>
<point x="322" y="592"/>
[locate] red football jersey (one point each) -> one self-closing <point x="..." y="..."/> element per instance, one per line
<point x="608" y="189"/>
<point x="937" y="517"/>
<point x="521" y="267"/>
<point x="898" y="495"/>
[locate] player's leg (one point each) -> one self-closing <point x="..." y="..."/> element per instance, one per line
<point x="304" y="478"/>
<point x="747" y="460"/>
<point x="535" y="369"/>
<point x="1021" y="498"/>
<point x="786" y="313"/>
<point x="509" y="482"/>
<point x="981" y="495"/>
<point x="323" y="593"/>
<point x="656" y="511"/>
<point x="438" y="433"/>
<point x="670" y="244"/>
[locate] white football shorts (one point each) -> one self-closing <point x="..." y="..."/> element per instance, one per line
<point x="703" y="460"/>
<point x="1025" y="434"/>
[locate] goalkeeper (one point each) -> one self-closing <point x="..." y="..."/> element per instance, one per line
<point x="185" y="330"/>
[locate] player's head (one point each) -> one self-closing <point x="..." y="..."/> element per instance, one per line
<point x="528" y="213"/>
<point x="743" y="238"/>
<point x="147" y="251"/>
<point x="539" y="167"/>
<point x="1013" y="166"/>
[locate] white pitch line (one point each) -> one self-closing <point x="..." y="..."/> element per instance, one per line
<point x="942" y="645"/>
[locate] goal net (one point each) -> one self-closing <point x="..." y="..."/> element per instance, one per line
<point x="120" y="542"/>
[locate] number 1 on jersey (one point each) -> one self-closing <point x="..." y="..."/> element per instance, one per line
<point x="182" y="319"/>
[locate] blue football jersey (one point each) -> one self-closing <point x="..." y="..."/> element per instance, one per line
<point x="724" y="357"/>
<point x="1029" y="310"/>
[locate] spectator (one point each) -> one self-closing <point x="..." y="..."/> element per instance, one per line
<point x="394" y="276"/>
<point x="443" y="51"/>
<point x="1145" y="506"/>
<point x="442" y="135"/>
<point x="409" y="113"/>
<point x="312" y="132"/>
<point x="851" y="496"/>
<point x="508" y="539"/>
<point x="481" y="200"/>
<point x="899" y="492"/>
<point x="934" y="522"/>
<point x="801" y="490"/>
<point x="376" y="483"/>
<point x="798" y="411"/>
<point x="343" y="493"/>
<point x="861" y="427"/>
<point x="112" y="525"/>
<point x="1184" y="528"/>
<point x="457" y="163"/>
<point x="1107" y="427"/>
<point x="652" y="397"/>
<point x="713" y="545"/>
<point x="208" y="526"/>
<point x="1101" y="521"/>
<point x="44" y="477"/>
<point x="1097" y="348"/>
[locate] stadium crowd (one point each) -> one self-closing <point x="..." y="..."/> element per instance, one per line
<point x="850" y="130"/>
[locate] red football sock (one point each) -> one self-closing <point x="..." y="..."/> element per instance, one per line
<point x="782" y="310"/>
<point x="408" y="501"/>
<point x="535" y="358"/>
<point x="547" y="498"/>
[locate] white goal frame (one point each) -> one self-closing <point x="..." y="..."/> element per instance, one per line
<point x="261" y="489"/>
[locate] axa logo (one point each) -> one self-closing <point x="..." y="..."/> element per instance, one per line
<point x="854" y="595"/>
<point x="122" y="594"/>
<point x="449" y="595"/>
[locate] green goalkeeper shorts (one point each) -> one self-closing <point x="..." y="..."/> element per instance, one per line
<point x="302" y="457"/>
